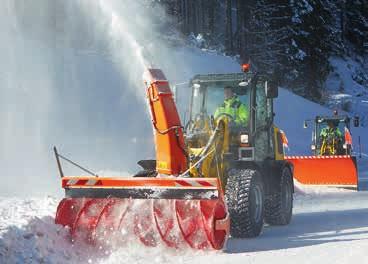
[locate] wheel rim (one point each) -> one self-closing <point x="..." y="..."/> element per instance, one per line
<point x="257" y="203"/>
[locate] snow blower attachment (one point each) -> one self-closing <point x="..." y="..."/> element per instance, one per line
<point x="168" y="207"/>
<point x="332" y="163"/>
<point x="193" y="192"/>
<point x="175" y="211"/>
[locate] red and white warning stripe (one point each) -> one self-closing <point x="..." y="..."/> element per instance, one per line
<point x="319" y="157"/>
<point x="195" y="183"/>
<point x="83" y="182"/>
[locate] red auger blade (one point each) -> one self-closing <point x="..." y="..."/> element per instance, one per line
<point x="174" y="221"/>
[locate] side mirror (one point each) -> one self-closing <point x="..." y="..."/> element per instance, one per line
<point x="305" y="125"/>
<point x="271" y="89"/>
<point x="196" y="87"/>
<point x="244" y="83"/>
<point x="356" y="121"/>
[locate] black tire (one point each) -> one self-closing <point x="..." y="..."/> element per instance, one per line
<point x="245" y="200"/>
<point x="279" y="206"/>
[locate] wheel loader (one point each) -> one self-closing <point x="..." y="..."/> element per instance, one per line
<point x="211" y="177"/>
<point x="332" y="162"/>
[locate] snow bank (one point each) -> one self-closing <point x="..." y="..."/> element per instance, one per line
<point x="28" y="233"/>
<point x="328" y="224"/>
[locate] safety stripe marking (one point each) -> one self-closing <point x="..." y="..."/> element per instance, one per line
<point x="178" y="183"/>
<point x="72" y="181"/>
<point x="80" y="182"/>
<point x="319" y="157"/>
<point x="205" y="183"/>
<point x="182" y="183"/>
<point x="91" y="182"/>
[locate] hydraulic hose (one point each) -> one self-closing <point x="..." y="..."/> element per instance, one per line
<point x="211" y="140"/>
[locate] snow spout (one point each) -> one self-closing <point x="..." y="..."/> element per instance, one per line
<point x="71" y="76"/>
<point x="126" y="50"/>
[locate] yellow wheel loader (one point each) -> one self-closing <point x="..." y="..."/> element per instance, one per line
<point x="211" y="177"/>
<point x="332" y="162"/>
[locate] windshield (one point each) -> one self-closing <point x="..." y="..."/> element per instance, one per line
<point x="323" y="124"/>
<point x="209" y="100"/>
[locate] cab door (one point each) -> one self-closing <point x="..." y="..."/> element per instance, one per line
<point x="264" y="147"/>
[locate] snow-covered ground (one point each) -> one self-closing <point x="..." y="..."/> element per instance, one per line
<point x="329" y="225"/>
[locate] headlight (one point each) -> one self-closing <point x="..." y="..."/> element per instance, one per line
<point x="345" y="146"/>
<point x="244" y="139"/>
<point x="313" y="147"/>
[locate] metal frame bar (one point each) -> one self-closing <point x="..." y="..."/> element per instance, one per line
<point x="59" y="156"/>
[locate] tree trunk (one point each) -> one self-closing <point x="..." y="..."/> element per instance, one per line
<point x="229" y="28"/>
<point x="343" y="20"/>
<point x="202" y="16"/>
<point x="239" y="28"/>
<point x="193" y="17"/>
<point x="246" y="10"/>
<point x="211" y="17"/>
<point x="184" y="8"/>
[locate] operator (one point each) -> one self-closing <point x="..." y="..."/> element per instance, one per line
<point x="331" y="138"/>
<point x="233" y="107"/>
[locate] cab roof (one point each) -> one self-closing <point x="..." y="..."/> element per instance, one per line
<point x="228" y="77"/>
<point x="232" y="79"/>
<point x="341" y="118"/>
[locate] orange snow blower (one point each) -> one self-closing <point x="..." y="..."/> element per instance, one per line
<point x="97" y="206"/>
<point x="209" y="180"/>
<point x="332" y="163"/>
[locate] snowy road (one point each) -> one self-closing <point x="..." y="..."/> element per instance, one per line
<point x="328" y="224"/>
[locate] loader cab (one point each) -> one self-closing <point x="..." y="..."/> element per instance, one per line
<point x="209" y="95"/>
<point x="256" y="96"/>
<point x="342" y="124"/>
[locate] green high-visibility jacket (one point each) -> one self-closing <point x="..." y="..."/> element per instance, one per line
<point x="236" y="109"/>
<point x="331" y="132"/>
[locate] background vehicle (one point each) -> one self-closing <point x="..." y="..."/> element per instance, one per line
<point x="332" y="163"/>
